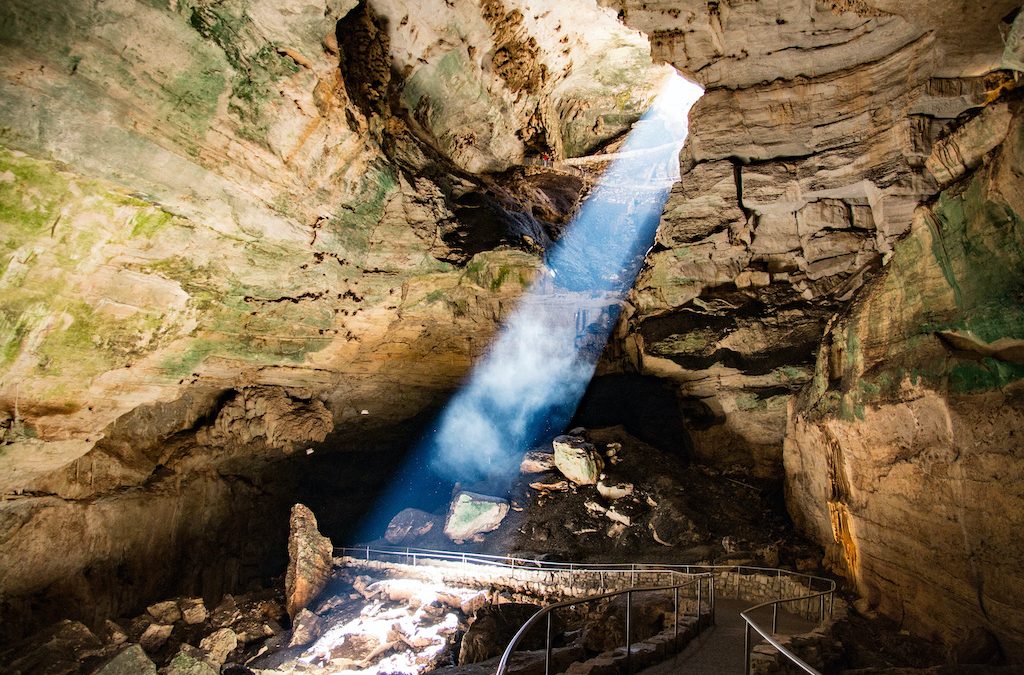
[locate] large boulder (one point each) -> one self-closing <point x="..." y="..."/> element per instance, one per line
<point x="309" y="561"/>
<point x="408" y="525"/>
<point x="577" y="460"/>
<point x="472" y="514"/>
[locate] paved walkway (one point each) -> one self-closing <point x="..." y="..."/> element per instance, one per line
<point x="719" y="649"/>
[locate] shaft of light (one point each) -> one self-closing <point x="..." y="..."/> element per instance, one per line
<point x="528" y="384"/>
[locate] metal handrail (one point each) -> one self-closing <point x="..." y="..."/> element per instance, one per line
<point x="513" y="562"/>
<point x="775" y="604"/>
<point x="548" y="610"/>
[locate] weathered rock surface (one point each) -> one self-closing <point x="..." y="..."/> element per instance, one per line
<point x="806" y="159"/>
<point x="901" y="457"/>
<point x="472" y="515"/>
<point x="577" y="460"/>
<point x="408" y="525"/>
<point x="310" y="556"/>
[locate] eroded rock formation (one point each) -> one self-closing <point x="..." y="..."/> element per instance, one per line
<point x="290" y="227"/>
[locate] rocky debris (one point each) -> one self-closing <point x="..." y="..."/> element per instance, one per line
<point x="166" y="612"/>
<point x="271" y="415"/>
<point x="493" y="626"/>
<point x="193" y="610"/>
<point x="577" y="459"/>
<point x="218" y="645"/>
<point x="614" y="491"/>
<point x="112" y="633"/>
<point x="154" y="637"/>
<point x="131" y="661"/>
<point x="306" y="627"/>
<point x="59" y="648"/>
<point x="408" y="525"/>
<point x="557" y="486"/>
<point x="471" y="515"/>
<point x="537" y="461"/>
<point x="310" y="558"/>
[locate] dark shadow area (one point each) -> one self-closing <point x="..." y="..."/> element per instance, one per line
<point x="646" y="406"/>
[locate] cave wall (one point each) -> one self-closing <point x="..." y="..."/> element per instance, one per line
<point x="904" y="457"/>
<point x="218" y="245"/>
<point x="805" y="163"/>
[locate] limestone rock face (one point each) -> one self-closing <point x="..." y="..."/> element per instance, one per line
<point x="471" y="515"/>
<point x="808" y="154"/>
<point x="902" y="456"/>
<point x="577" y="460"/>
<point x="310" y="556"/>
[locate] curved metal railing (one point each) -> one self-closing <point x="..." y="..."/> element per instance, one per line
<point x="412" y="555"/>
<point x="769" y="637"/>
<point x="549" y="610"/>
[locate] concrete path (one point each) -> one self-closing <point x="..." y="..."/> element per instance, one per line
<point x="719" y="649"/>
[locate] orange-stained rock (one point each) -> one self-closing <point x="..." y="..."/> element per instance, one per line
<point x="309" y="560"/>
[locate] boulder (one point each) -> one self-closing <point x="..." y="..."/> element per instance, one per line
<point x="218" y="645"/>
<point x="131" y="661"/>
<point x="409" y="524"/>
<point x="537" y="461"/>
<point x="305" y="628"/>
<point x="193" y="610"/>
<point x="577" y="460"/>
<point x="310" y="557"/>
<point x="472" y="514"/>
<point x="166" y="612"/>
<point x="154" y="637"/>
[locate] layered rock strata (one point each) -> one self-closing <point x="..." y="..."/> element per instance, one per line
<point x="806" y="159"/>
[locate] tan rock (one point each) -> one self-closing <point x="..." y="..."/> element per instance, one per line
<point x="218" y="645"/>
<point x="310" y="559"/>
<point x="193" y="610"/>
<point x="166" y="612"/>
<point x="154" y="637"/>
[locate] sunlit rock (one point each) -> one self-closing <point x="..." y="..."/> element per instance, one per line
<point x="613" y="491"/>
<point x="306" y="627"/>
<point x="309" y="560"/>
<point x="408" y="525"/>
<point x="577" y="460"/>
<point x="537" y="461"/>
<point x="471" y="515"/>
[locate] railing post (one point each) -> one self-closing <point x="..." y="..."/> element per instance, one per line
<point x="629" y="619"/>
<point x="831" y="602"/>
<point x="821" y="608"/>
<point x="367" y="553"/>
<point x="775" y="618"/>
<point x="675" y="612"/>
<point x="746" y="647"/>
<point x="700" y="586"/>
<point x="712" y="598"/>
<point x="547" y="648"/>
